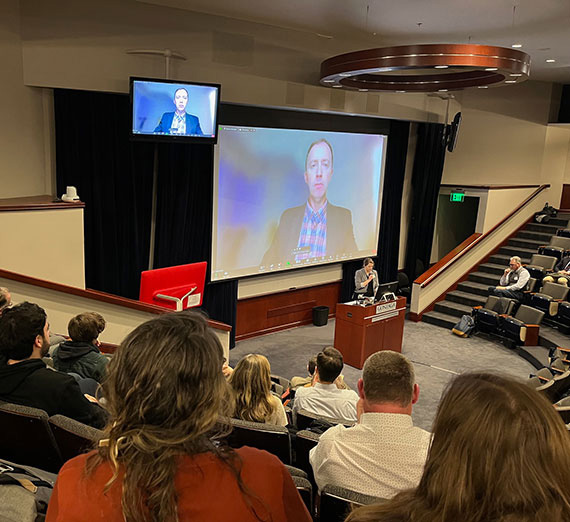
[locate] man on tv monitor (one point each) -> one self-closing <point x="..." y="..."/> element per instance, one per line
<point x="318" y="228"/>
<point x="179" y="122"/>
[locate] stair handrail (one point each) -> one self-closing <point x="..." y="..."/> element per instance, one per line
<point x="472" y="241"/>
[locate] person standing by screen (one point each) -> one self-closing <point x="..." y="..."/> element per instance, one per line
<point x="179" y="122"/>
<point x="317" y="228"/>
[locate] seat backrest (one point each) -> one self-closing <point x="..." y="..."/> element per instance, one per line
<point x="73" y="437"/>
<point x="305" y="489"/>
<point x="286" y="383"/>
<point x="529" y="315"/>
<point x="547" y="262"/>
<point x="305" y="441"/>
<point x="306" y="418"/>
<point x="336" y="502"/>
<point x="559" y="241"/>
<point x="554" y="290"/>
<point x="531" y="285"/>
<point x="268" y="437"/>
<point x="25" y="437"/>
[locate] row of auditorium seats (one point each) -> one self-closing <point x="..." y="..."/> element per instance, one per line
<point x="30" y="437"/>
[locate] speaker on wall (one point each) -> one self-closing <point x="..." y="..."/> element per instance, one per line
<point x="453" y="132"/>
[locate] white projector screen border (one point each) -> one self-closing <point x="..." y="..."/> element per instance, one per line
<point x="253" y="211"/>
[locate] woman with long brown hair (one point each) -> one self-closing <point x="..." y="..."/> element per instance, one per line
<point x="500" y="453"/>
<point x="157" y="462"/>
<point x="251" y="382"/>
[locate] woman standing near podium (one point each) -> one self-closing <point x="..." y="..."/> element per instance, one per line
<point x="366" y="280"/>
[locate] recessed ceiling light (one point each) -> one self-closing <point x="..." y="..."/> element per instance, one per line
<point x="442" y="90"/>
<point x="491" y="68"/>
<point x="515" y="75"/>
<point x="328" y="81"/>
<point x="363" y="90"/>
<point x="400" y="91"/>
<point x="345" y="74"/>
<point x="441" y="66"/>
<point x="550" y="60"/>
<point x="516" y="46"/>
<point x="482" y="87"/>
<point x="337" y="86"/>
<point x="511" y="81"/>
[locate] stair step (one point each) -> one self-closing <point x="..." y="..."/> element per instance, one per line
<point x="559" y="221"/>
<point x="439" y="319"/>
<point x="518" y="251"/>
<point x="466" y="298"/>
<point x="531" y="244"/>
<point x="543" y="229"/>
<point x="485" y="278"/>
<point x="535" y="236"/>
<point x="474" y="288"/>
<point x="492" y="268"/>
<point x="453" y="309"/>
<point x="503" y="260"/>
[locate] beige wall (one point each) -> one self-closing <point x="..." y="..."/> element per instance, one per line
<point x="47" y="244"/>
<point x="22" y="146"/>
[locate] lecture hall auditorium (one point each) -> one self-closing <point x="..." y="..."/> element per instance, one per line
<point x="265" y="392"/>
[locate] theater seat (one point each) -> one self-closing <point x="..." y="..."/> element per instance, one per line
<point x="558" y="247"/>
<point x="305" y="489"/>
<point x="268" y="437"/>
<point x="540" y="266"/>
<point x="523" y="327"/>
<point x="563" y="317"/>
<point x="549" y="298"/>
<point x="26" y="438"/>
<point x="563" y="409"/>
<point x="305" y="418"/>
<point x="72" y="437"/>
<point x="488" y="317"/>
<point x="334" y="503"/>
<point x="305" y="441"/>
<point x="557" y="387"/>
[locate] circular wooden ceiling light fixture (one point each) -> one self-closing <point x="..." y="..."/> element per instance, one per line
<point x="426" y="68"/>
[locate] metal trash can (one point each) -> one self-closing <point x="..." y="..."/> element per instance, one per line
<point x="320" y="315"/>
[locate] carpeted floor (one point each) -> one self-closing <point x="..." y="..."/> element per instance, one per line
<point x="437" y="355"/>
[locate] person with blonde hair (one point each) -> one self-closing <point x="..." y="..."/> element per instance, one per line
<point x="500" y="453"/>
<point x="158" y="461"/>
<point x="5" y="298"/>
<point x="251" y="382"/>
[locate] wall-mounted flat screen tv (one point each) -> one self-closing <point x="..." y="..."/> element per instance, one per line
<point x="170" y="110"/>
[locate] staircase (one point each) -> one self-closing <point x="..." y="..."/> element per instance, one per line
<point x="475" y="289"/>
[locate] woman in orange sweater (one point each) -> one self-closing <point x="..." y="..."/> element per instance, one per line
<point x="158" y="461"/>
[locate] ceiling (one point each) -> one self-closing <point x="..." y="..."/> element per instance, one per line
<point x="541" y="26"/>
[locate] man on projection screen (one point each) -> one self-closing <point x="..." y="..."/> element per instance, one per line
<point x="317" y="228"/>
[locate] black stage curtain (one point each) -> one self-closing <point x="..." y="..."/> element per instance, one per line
<point x="113" y="176"/>
<point x="184" y="221"/>
<point x="386" y="261"/>
<point x="426" y="180"/>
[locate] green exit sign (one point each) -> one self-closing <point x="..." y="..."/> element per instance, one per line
<point x="457" y="197"/>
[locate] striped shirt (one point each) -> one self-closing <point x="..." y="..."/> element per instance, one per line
<point x="313" y="236"/>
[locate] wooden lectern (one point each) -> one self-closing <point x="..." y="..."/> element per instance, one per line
<point x="363" y="330"/>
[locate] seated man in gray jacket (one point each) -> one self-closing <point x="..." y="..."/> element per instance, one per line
<point x="513" y="281"/>
<point x="81" y="355"/>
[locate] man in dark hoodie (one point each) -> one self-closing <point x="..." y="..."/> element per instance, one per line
<point x="81" y="355"/>
<point x="24" y="377"/>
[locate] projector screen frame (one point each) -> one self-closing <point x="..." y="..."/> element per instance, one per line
<point x="381" y="132"/>
<point x="172" y="138"/>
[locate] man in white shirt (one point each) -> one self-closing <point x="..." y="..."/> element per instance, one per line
<point x="384" y="453"/>
<point x="513" y="281"/>
<point x="325" y="398"/>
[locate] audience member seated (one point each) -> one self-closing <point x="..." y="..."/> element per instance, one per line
<point x="5" y="299"/>
<point x="251" y="383"/>
<point x="227" y="370"/>
<point x="81" y="355"/>
<point x="325" y="398"/>
<point x="165" y="392"/>
<point x="513" y="281"/>
<point x="561" y="272"/>
<point x="384" y="453"/>
<point x="24" y="377"/>
<point x="499" y="453"/>
<point x="297" y="382"/>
